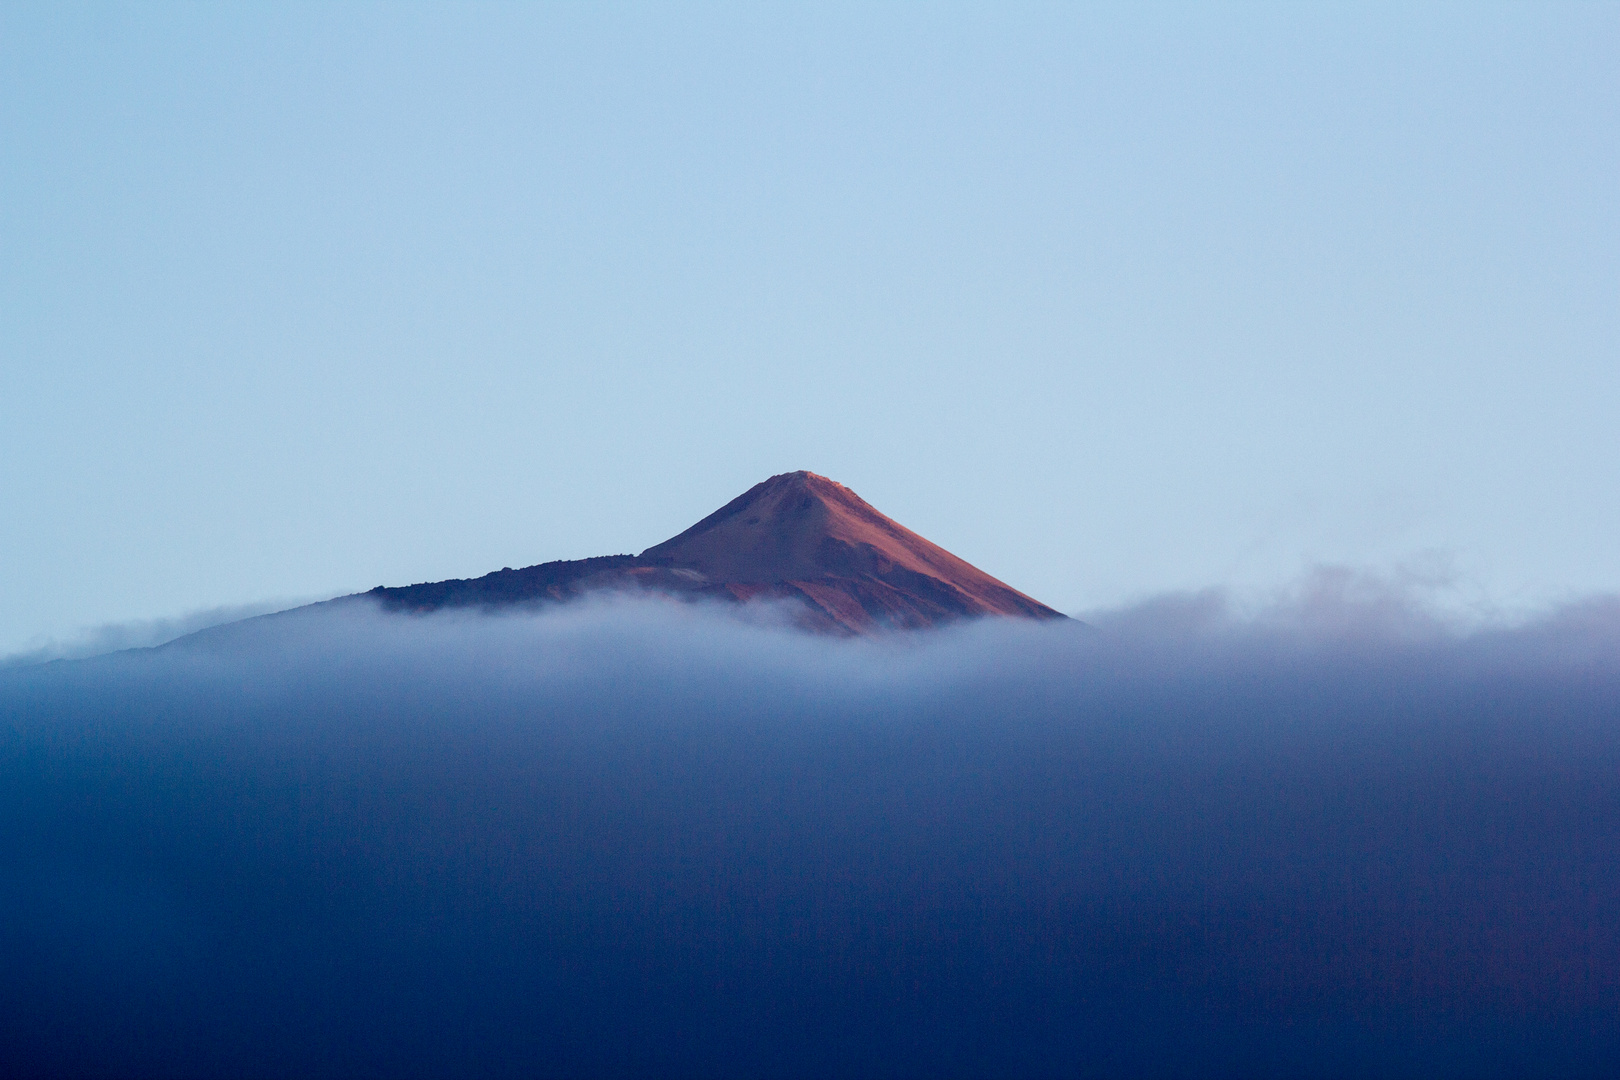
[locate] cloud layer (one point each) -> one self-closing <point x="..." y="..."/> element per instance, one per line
<point x="658" y="839"/>
<point x="139" y="634"/>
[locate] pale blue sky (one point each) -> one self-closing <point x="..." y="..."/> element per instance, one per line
<point x="1109" y="301"/>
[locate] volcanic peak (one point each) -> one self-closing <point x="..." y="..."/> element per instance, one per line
<point x="778" y="530"/>
<point x="797" y="536"/>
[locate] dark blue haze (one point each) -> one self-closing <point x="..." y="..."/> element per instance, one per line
<point x="655" y="840"/>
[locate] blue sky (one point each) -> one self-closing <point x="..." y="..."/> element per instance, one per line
<point x="299" y="300"/>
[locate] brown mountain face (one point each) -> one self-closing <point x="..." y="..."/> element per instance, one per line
<point x="797" y="537"/>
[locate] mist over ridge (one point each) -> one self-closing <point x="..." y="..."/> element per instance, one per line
<point x="635" y="835"/>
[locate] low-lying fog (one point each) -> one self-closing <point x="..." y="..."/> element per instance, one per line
<point x="655" y="839"/>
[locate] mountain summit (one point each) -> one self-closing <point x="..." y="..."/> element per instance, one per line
<point x="797" y="536"/>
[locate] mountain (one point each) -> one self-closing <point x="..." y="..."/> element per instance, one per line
<point x="796" y="537"/>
